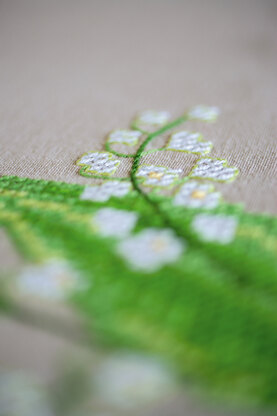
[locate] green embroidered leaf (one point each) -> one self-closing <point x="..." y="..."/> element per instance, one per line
<point x="211" y="312"/>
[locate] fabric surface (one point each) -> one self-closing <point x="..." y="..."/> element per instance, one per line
<point x="73" y="71"/>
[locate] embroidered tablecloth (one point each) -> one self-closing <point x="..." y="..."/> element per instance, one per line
<point x="73" y="76"/>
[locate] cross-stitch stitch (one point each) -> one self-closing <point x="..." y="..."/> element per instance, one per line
<point x="175" y="271"/>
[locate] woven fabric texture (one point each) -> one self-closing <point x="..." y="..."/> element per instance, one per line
<point x="73" y="71"/>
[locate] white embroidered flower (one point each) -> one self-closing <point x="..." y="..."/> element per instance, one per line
<point x="111" y="222"/>
<point x="189" y="142"/>
<point x="215" y="169"/>
<point x="195" y="195"/>
<point x="102" y="163"/>
<point x="53" y="280"/>
<point x="215" y="228"/>
<point x="104" y="191"/>
<point x="128" y="381"/>
<point x="129" y="137"/>
<point x="151" y="249"/>
<point x="153" y="118"/>
<point x="157" y="175"/>
<point x="22" y="395"/>
<point x="204" y="113"/>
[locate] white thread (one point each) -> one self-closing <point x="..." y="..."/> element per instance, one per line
<point x="204" y="113"/>
<point x="129" y="380"/>
<point x="105" y="191"/>
<point x="215" y="228"/>
<point x="99" y="162"/>
<point x="189" y="142"/>
<point x="52" y="280"/>
<point x="213" y="169"/>
<point x="111" y="222"/>
<point x="195" y="195"/>
<point x="151" y="249"/>
<point x="129" y="137"/>
<point x="157" y="175"/>
<point x="154" y="118"/>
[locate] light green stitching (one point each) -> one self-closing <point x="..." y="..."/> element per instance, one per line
<point x="214" y="169"/>
<point x="107" y="164"/>
<point x="193" y="141"/>
<point x="155" y="176"/>
<point x="182" y="299"/>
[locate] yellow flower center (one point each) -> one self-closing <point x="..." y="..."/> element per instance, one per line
<point x="198" y="194"/>
<point x="155" y="175"/>
<point x="158" y="245"/>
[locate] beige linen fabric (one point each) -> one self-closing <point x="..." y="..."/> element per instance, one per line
<point x="73" y="70"/>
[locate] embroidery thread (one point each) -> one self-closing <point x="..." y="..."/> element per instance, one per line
<point x="178" y="273"/>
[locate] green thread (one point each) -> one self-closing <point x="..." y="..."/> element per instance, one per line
<point x="217" y="325"/>
<point x="148" y="139"/>
<point x="214" y="324"/>
<point x="114" y="152"/>
<point x="83" y="172"/>
<point x="212" y="313"/>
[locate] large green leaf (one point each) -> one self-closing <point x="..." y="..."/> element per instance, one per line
<point x="212" y="313"/>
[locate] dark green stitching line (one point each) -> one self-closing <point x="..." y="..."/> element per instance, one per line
<point x="114" y="152"/>
<point x="129" y="155"/>
<point x="140" y="152"/>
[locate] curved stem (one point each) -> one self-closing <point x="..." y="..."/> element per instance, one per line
<point x="140" y="151"/>
<point x="114" y="152"/>
<point x="135" y="127"/>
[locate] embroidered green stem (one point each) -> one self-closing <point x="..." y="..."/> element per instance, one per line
<point x="114" y="152"/>
<point x="129" y="155"/>
<point x="140" y="152"/>
<point x="134" y="126"/>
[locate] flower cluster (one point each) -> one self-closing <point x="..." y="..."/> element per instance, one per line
<point x="158" y="175"/>
<point x="106" y="190"/>
<point x="152" y="118"/>
<point x="129" y="137"/>
<point x="111" y="222"/>
<point x="197" y="195"/>
<point x="184" y="141"/>
<point x="130" y="380"/>
<point x="101" y="163"/>
<point x="204" y="113"/>
<point x="148" y="250"/>
<point x="52" y="280"/>
<point x="215" y="228"/>
<point x="151" y="248"/>
<point x="214" y="169"/>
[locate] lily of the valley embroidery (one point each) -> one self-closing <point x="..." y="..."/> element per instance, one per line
<point x="156" y="260"/>
<point x="187" y="191"/>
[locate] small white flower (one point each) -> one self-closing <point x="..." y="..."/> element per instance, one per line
<point x="204" y="113"/>
<point x="195" y="195"/>
<point x="129" y="137"/>
<point x="111" y="222"/>
<point x="22" y="395"/>
<point x="102" y="163"/>
<point x="215" y="228"/>
<point x="151" y="249"/>
<point x="157" y="175"/>
<point x="153" y="118"/>
<point x="214" y="169"/>
<point x="129" y="380"/>
<point x="104" y="191"/>
<point x="189" y="142"/>
<point x="53" y="280"/>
